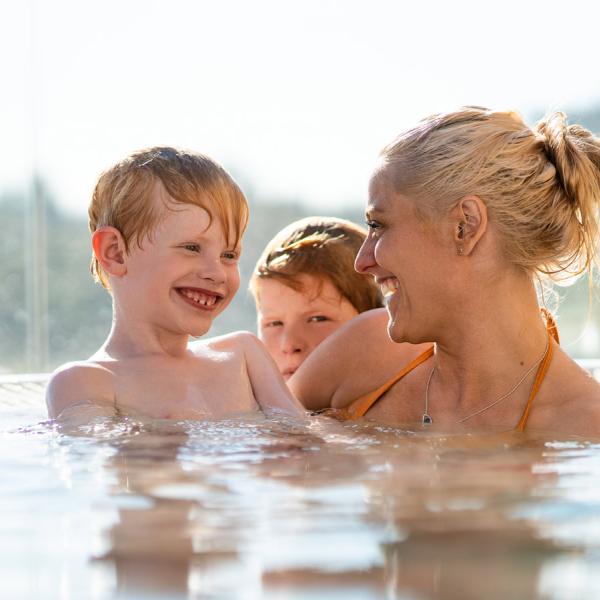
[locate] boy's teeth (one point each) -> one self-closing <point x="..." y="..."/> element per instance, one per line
<point x="389" y="286"/>
<point x="199" y="298"/>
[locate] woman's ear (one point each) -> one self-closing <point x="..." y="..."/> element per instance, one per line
<point x="470" y="223"/>
<point x="110" y="251"/>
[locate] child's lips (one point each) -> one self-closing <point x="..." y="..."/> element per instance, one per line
<point x="200" y="298"/>
<point x="287" y="373"/>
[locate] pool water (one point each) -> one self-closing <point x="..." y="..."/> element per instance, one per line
<point x="273" y="509"/>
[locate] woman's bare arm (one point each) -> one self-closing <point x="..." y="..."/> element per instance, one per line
<point x="270" y="390"/>
<point x="354" y="360"/>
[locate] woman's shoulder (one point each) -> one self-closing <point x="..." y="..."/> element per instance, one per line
<point x="569" y="400"/>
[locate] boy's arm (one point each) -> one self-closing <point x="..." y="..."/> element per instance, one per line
<point x="268" y="385"/>
<point x="80" y="391"/>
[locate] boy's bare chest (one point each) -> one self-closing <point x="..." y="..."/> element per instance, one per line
<point x="184" y="389"/>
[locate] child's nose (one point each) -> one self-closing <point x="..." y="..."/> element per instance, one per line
<point x="292" y="342"/>
<point x="213" y="270"/>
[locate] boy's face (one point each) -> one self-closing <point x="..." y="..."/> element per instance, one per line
<point x="293" y="323"/>
<point x="184" y="275"/>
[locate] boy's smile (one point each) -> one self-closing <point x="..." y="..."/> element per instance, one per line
<point x="184" y="274"/>
<point x="200" y="298"/>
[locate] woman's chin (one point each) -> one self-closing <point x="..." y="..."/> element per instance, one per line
<point x="394" y="331"/>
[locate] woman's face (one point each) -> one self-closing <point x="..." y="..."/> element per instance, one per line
<point x="292" y="323"/>
<point x="408" y="260"/>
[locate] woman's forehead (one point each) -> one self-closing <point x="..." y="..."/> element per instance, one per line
<point x="382" y="196"/>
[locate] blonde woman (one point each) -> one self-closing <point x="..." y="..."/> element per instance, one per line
<point x="467" y="211"/>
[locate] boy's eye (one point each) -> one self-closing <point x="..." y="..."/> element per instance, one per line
<point x="274" y="324"/>
<point x="318" y="319"/>
<point x="192" y="247"/>
<point x="231" y="255"/>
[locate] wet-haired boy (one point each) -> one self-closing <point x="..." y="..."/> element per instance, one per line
<point x="166" y="229"/>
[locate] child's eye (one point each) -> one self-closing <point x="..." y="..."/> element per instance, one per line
<point x="274" y="324"/>
<point x="192" y="247"/>
<point x="231" y="255"/>
<point x="318" y="319"/>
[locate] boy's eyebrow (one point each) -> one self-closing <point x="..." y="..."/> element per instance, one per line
<point x="199" y="237"/>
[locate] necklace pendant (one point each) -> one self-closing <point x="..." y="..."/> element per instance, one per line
<point x="427" y="420"/>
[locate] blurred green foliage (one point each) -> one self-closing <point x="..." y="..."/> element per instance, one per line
<point x="79" y="311"/>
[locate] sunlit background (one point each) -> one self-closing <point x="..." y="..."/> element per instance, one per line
<point x="294" y="98"/>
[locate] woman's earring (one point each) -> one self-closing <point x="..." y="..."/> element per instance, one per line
<point x="460" y="250"/>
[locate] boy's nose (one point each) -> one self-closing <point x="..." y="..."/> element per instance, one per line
<point x="365" y="258"/>
<point x="292" y="343"/>
<point x="212" y="270"/>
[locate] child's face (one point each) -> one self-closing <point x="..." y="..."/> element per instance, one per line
<point x="293" y="323"/>
<point x="184" y="275"/>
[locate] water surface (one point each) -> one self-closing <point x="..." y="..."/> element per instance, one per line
<point x="257" y="508"/>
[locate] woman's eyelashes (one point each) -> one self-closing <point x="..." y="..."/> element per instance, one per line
<point x="373" y="225"/>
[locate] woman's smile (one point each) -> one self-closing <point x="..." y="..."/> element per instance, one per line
<point x="388" y="286"/>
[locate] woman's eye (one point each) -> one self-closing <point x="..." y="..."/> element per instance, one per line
<point x="373" y="225"/>
<point x="318" y="319"/>
<point x="192" y="247"/>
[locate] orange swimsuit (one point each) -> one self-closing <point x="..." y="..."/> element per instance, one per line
<point x="359" y="407"/>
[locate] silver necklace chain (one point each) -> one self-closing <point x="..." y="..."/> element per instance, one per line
<point x="427" y="417"/>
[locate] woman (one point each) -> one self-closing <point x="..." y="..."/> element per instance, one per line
<point x="467" y="211"/>
<point x="305" y="287"/>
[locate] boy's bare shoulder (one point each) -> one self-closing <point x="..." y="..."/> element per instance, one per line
<point x="235" y="342"/>
<point x="78" y="383"/>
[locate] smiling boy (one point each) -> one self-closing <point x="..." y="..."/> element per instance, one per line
<point x="166" y="230"/>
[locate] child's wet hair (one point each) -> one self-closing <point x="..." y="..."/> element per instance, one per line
<point x="324" y="248"/>
<point x="123" y="197"/>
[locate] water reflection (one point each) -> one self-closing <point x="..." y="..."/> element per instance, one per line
<point x="253" y="508"/>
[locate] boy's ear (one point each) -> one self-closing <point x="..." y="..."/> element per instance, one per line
<point x="109" y="249"/>
<point x="470" y="223"/>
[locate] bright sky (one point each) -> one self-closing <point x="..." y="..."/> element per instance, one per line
<point x="294" y="98"/>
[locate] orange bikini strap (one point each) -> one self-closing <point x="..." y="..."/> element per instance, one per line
<point x="542" y="369"/>
<point x="541" y="373"/>
<point x="359" y="407"/>
<point x="550" y="324"/>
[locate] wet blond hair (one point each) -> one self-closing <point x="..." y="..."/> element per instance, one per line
<point x="123" y="195"/>
<point x="322" y="247"/>
<point x="541" y="185"/>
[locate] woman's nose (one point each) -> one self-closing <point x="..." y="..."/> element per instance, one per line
<point x="365" y="258"/>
